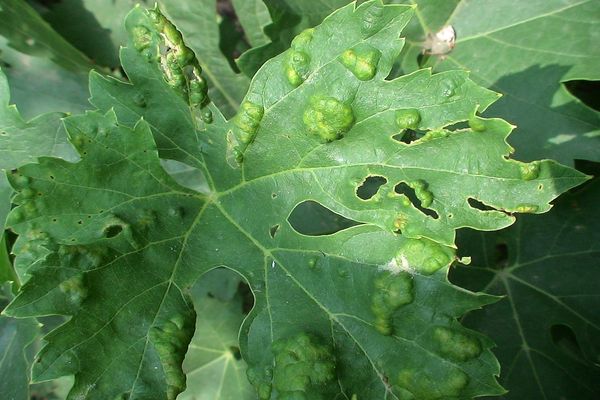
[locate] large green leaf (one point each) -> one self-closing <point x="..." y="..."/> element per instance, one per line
<point x="547" y="327"/>
<point x="94" y="27"/>
<point x="525" y="51"/>
<point x="366" y="311"/>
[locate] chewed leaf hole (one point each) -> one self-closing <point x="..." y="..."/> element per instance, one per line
<point x="370" y="186"/>
<point x="273" y="230"/>
<point x="113" y="231"/>
<point x="403" y="188"/>
<point x="235" y="352"/>
<point x="564" y="337"/>
<point x="409" y="136"/>
<point x="312" y="219"/>
<point x="478" y="205"/>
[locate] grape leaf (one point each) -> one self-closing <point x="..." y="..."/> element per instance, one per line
<point x="547" y="329"/>
<point x="366" y="311"/>
<point x="533" y="49"/>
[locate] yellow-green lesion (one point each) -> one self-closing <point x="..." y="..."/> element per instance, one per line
<point x="391" y="291"/>
<point x="328" y="118"/>
<point x="165" y="44"/>
<point x="424" y="256"/>
<point x="296" y="63"/>
<point x="362" y="61"/>
<point x="408" y="118"/>
<point x="170" y="340"/>
<point x="456" y="345"/>
<point x="248" y="120"/>
<point x="439" y="384"/>
<point x="303" y="366"/>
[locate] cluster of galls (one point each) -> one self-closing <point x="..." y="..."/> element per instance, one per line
<point x="178" y="62"/>
<point x="302" y="367"/>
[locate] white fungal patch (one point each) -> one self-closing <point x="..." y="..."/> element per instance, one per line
<point x="440" y="43"/>
<point x="397" y="265"/>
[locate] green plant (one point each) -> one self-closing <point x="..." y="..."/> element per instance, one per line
<point x="333" y="189"/>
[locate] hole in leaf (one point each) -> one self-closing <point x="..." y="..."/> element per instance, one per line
<point x="370" y="186"/>
<point x="586" y="91"/>
<point x="409" y="136"/>
<point x="403" y="188"/>
<point x="273" y="195"/>
<point x="458" y="126"/>
<point x="235" y="352"/>
<point x="478" y="205"/>
<point x="564" y="338"/>
<point x="312" y="219"/>
<point x="501" y="255"/>
<point x="113" y="231"/>
<point x="273" y="230"/>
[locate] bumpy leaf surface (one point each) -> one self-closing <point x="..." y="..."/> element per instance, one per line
<point x="197" y="21"/>
<point x="366" y="312"/>
<point x="547" y="328"/>
<point x="525" y="52"/>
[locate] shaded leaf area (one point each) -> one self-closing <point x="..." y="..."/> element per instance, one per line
<point x="28" y="33"/>
<point x="15" y="337"/>
<point x="364" y="311"/>
<point x="39" y="86"/>
<point x="45" y="72"/>
<point x="527" y="55"/>
<point x="547" y="327"/>
<point x="93" y="27"/>
<point x="254" y="17"/>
